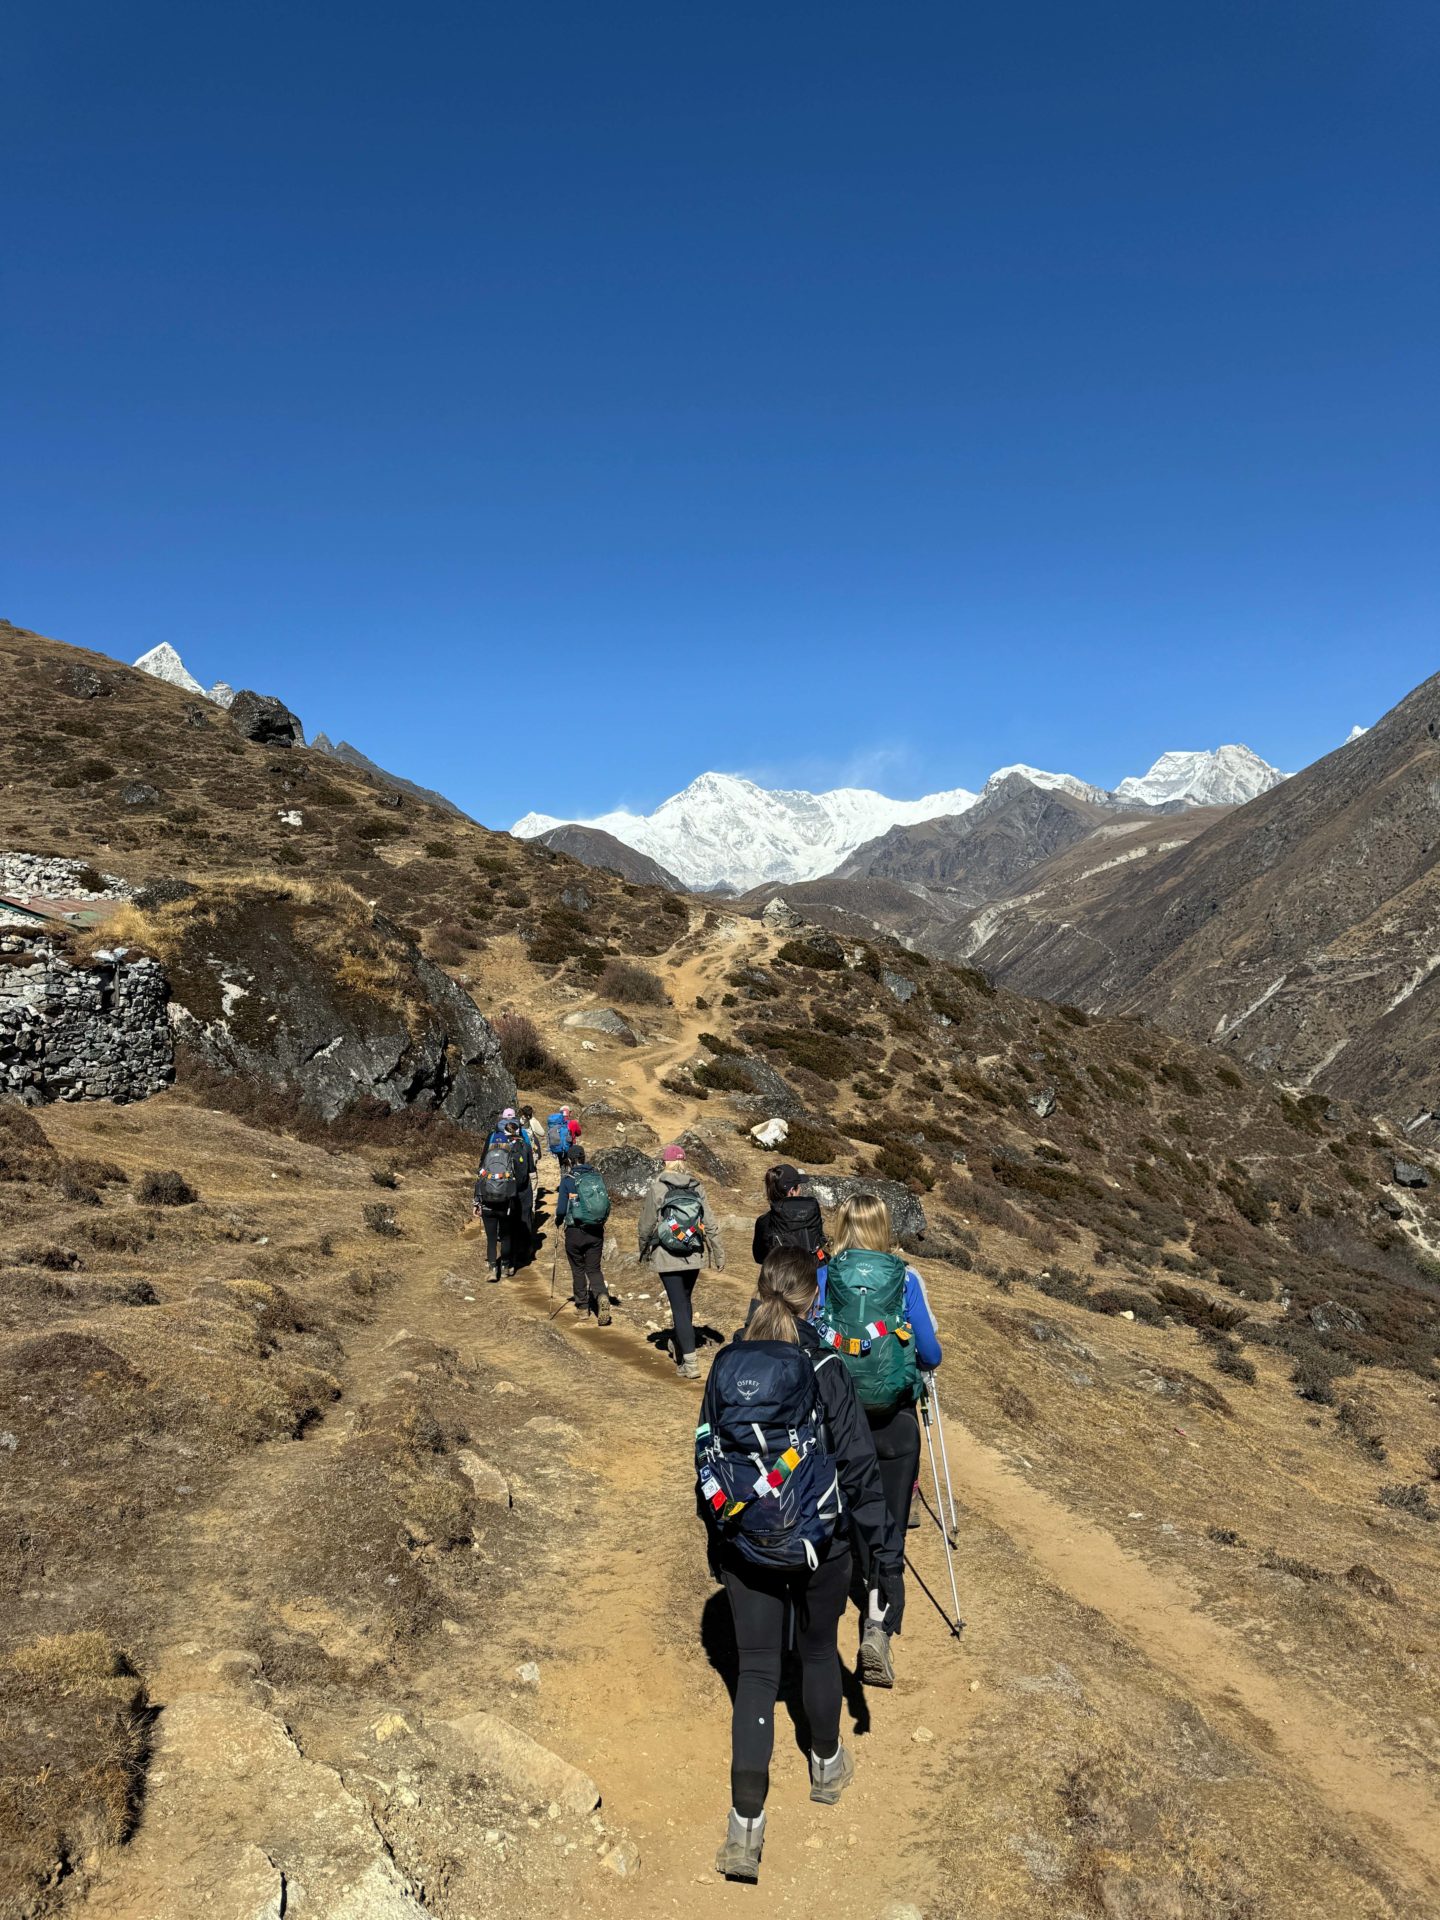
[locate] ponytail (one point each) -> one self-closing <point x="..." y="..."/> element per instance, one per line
<point x="784" y="1295"/>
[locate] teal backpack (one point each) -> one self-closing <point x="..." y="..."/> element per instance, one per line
<point x="864" y="1320"/>
<point x="590" y="1203"/>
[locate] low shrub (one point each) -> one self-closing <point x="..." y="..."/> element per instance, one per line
<point x="523" y="1049"/>
<point x="439" y="850"/>
<point x="804" y="953"/>
<point x="1414" y="1500"/>
<point x="812" y="1145"/>
<point x="632" y="985"/>
<point x="165" y="1189"/>
<point x="713" y="1043"/>
<point x="720" y="1077"/>
<point x="380" y="1218"/>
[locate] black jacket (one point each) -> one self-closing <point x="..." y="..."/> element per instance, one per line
<point x="789" y="1223"/>
<point x="879" y="1548"/>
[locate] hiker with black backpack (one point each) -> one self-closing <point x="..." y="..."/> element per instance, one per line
<point x="582" y="1206"/>
<point x="514" y="1133"/>
<point x="678" y="1240"/>
<point x="789" y="1486"/>
<point x="794" y="1218"/>
<point x="873" y="1312"/>
<point x="497" y="1197"/>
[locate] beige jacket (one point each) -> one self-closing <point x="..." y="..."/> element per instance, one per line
<point x="660" y="1260"/>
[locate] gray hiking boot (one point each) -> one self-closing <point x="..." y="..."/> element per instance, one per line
<point x="829" y="1778"/>
<point x="739" y="1858"/>
<point x="495" y="1273"/>
<point x="688" y="1368"/>
<point x="602" y="1309"/>
<point x="877" y="1663"/>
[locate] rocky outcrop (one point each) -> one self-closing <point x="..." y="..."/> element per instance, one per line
<point x="98" y="1032"/>
<point x="626" y="1171"/>
<point x="263" y="718"/>
<point x="336" y="1011"/>
<point x="603" y="1020"/>
<point x="907" y="1216"/>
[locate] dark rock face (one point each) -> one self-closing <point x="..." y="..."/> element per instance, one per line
<point x="626" y="1171"/>
<point x="700" y="1155"/>
<point x="261" y="717"/>
<point x="84" y="683"/>
<point x="778" y="1096"/>
<point x="196" y="717"/>
<point x="1407" y="1174"/>
<point x="255" y="997"/>
<point x="906" y="1213"/>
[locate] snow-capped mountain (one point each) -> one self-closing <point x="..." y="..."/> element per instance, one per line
<point x="164" y="663"/>
<point x="726" y="832"/>
<point x="1050" y="782"/>
<point x="1228" y="777"/>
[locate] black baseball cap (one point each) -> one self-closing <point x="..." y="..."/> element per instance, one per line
<point x="788" y="1176"/>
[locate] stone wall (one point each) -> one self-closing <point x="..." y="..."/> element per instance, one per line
<point x="100" y="1032"/>
<point x="42" y="874"/>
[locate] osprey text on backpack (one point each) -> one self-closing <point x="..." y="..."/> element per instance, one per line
<point x="768" y="1483"/>
<point x="498" y="1183"/>
<point x="589" y="1205"/>
<point x="557" y="1134"/>
<point x="680" y="1222"/>
<point x="864" y="1321"/>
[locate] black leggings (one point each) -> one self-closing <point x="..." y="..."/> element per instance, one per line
<point x="758" y="1597"/>
<point x="897" y="1443"/>
<point x="583" y="1247"/>
<point x="500" y="1233"/>
<point x="679" y="1291"/>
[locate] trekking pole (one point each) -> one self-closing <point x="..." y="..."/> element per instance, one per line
<point x="934" y="1399"/>
<point x="957" y="1623"/>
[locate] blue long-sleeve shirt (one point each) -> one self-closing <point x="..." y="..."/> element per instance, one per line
<point x="917" y="1312"/>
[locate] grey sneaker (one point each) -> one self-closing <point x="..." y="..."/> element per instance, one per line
<point x="829" y="1778"/>
<point x="688" y="1368"/>
<point x="739" y="1858"/>
<point x="877" y="1663"/>
<point x="602" y="1309"/>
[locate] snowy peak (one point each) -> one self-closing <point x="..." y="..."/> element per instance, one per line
<point x="726" y="832"/>
<point x="1228" y="777"/>
<point x="1049" y="782"/>
<point x="164" y="663"/>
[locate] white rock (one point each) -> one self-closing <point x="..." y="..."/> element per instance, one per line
<point x="771" y="1133"/>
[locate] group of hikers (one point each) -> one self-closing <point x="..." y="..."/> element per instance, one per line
<point x="807" y="1451"/>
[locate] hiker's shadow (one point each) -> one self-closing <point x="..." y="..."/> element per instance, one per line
<point x="663" y="1339"/>
<point x="717" y="1636"/>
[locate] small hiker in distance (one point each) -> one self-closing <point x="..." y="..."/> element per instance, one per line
<point x="678" y="1240"/>
<point x="562" y="1130"/>
<point x="582" y="1206"/>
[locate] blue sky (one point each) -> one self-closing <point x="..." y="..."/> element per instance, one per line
<point x="559" y="400"/>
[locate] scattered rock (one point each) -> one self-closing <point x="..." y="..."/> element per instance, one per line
<point x="196" y="717"/>
<point x="1332" y="1314"/>
<point x="1407" y="1174"/>
<point x="263" y="718"/>
<point x="486" y="1481"/>
<point x="1042" y="1104"/>
<point x="84" y="683"/>
<point x="578" y="898"/>
<point x="139" y="793"/>
<point x="390" y="1726"/>
<point x="622" y="1859"/>
<point x="528" y="1674"/>
<point x="531" y="1770"/>
<point x="897" y="985"/>
<point x="779" y="913"/>
<point x="922" y="1736"/>
<point x="770" y="1133"/>
<point x="604" y="1020"/>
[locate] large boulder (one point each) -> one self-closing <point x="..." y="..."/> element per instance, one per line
<point x="774" y="1093"/>
<point x="263" y="718"/>
<point x="907" y="1216"/>
<point x="1408" y="1174"/>
<point x="700" y="1155"/>
<point x="626" y="1171"/>
<point x="603" y="1020"/>
<point x="323" y="999"/>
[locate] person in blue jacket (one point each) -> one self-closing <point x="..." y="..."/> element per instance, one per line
<point x="864" y="1222"/>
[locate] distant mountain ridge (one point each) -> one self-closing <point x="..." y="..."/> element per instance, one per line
<point x="730" y="834"/>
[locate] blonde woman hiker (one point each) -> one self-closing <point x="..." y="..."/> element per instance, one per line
<point x="786" y="1544"/>
<point x="873" y="1311"/>
<point x="679" y="1240"/>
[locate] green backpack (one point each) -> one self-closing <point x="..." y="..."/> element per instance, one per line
<point x="590" y="1203"/>
<point x="864" y="1320"/>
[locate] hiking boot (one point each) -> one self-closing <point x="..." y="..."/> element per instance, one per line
<point x="602" y="1309"/>
<point x="829" y="1778"/>
<point x="877" y="1663"/>
<point x="739" y="1858"/>
<point x="688" y="1368"/>
<point x="495" y="1273"/>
